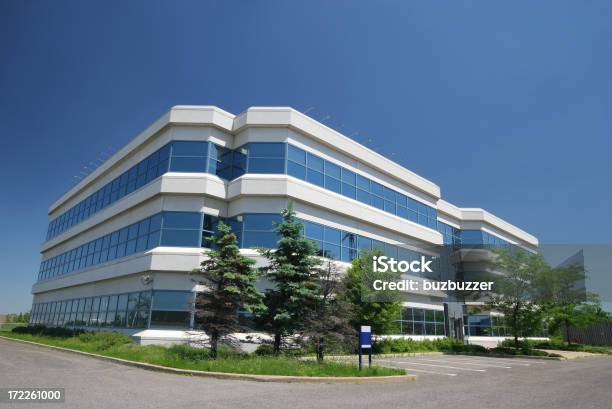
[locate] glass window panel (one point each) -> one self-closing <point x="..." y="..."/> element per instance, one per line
<point x="332" y="170"/>
<point x="363" y="183"/>
<point x="142" y="243"/>
<point x="266" y="150"/>
<point x="133" y="231"/>
<point x="364" y="243"/>
<point x="332" y="235"/>
<point x="260" y="239"/>
<point x="333" y="184"/>
<point x="170" y="319"/>
<point x="295" y="170"/>
<point x="315" y="163"/>
<point x="377" y="202"/>
<point x="260" y="221"/>
<point x="331" y="251"/>
<point x="266" y="165"/>
<point x="181" y="220"/>
<point x="348" y="177"/>
<point x="189" y="148"/>
<point x="173" y="300"/>
<point x="188" y="164"/>
<point x="313" y="230"/>
<point x="430" y="315"/>
<point x="315" y="177"/>
<point x="363" y="196"/>
<point x="180" y="238"/>
<point x="122" y="302"/>
<point x="297" y="155"/>
<point x="348" y="190"/>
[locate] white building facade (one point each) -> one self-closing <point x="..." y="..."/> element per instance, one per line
<point x="120" y="244"/>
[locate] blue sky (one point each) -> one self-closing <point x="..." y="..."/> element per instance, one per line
<point x="505" y="105"/>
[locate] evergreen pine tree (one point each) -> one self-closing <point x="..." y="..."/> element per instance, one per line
<point x="292" y="270"/>
<point x="230" y="280"/>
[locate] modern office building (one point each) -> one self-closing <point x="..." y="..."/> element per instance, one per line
<point x="120" y="244"/>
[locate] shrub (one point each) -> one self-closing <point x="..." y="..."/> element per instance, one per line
<point x="57" y="332"/>
<point x="409" y="345"/>
<point x="265" y="350"/>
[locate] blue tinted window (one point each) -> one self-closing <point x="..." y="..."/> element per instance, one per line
<point x="333" y="184"/>
<point x="188" y="164"/>
<point x="316" y="163"/>
<point x="181" y="220"/>
<point x="266" y="150"/>
<point x="331" y="251"/>
<point x="172" y="300"/>
<point x="297" y="155"/>
<point x="189" y="148"/>
<point x="333" y="235"/>
<point x="363" y="196"/>
<point x="348" y="190"/>
<point x="313" y="230"/>
<point x="261" y="221"/>
<point x="363" y="183"/>
<point x="332" y="170"/>
<point x="348" y="177"/>
<point x="266" y="165"/>
<point x="180" y="238"/>
<point x="295" y="170"/>
<point x="315" y="177"/>
<point x="260" y="239"/>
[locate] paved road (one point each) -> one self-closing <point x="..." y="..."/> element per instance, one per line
<point x="582" y="383"/>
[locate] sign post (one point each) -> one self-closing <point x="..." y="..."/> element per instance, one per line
<point x="365" y="342"/>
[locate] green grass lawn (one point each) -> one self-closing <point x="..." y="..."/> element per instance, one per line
<point x="9" y="326"/>
<point x="185" y="357"/>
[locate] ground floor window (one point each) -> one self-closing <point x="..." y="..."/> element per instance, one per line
<point x="421" y="321"/>
<point x="172" y="309"/>
<point x="127" y="310"/>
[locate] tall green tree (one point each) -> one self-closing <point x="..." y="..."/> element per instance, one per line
<point x="230" y="281"/>
<point x="515" y="292"/>
<point x="566" y="302"/>
<point x="326" y="323"/>
<point x="292" y="270"/>
<point x="379" y="309"/>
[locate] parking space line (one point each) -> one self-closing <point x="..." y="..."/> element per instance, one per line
<point x="514" y="361"/>
<point x="459" y="361"/>
<point x="438" y="366"/>
<point x="430" y="372"/>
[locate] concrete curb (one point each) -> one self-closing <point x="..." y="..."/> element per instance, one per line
<point x="231" y="376"/>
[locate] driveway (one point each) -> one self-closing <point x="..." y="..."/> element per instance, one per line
<point x="476" y="383"/>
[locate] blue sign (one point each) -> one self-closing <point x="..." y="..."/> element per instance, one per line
<point x="365" y="337"/>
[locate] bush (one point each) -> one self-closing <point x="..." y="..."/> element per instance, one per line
<point x="514" y="351"/>
<point x="57" y="332"/>
<point x="265" y="350"/>
<point x="409" y="345"/>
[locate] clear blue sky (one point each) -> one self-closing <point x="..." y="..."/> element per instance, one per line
<point x="505" y="105"/>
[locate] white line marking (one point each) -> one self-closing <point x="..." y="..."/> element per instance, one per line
<point x="463" y="362"/>
<point x="431" y="372"/>
<point x="512" y="360"/>
<point x="439" y="366"/>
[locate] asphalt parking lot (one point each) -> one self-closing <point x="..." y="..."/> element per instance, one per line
<point x="462" y="365"/>
<point x="454" y="382"/>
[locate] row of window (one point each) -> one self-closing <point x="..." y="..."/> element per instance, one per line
<point x="162" y="229"/>
<point x="157" y="309"/>
<point x="192" y="229"/>
<point x="421" y="321"/>
<point x="258" y="157"/>
<point x="450" y="235"/>
<point x="484" y="325"/>
<point x="130" y="310"/>
<point x="316" y="170"/>
<point x="132" y="179"/>
<point x="479" y="237"/>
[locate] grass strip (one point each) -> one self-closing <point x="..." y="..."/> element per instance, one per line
<point x="185" y="357"/>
